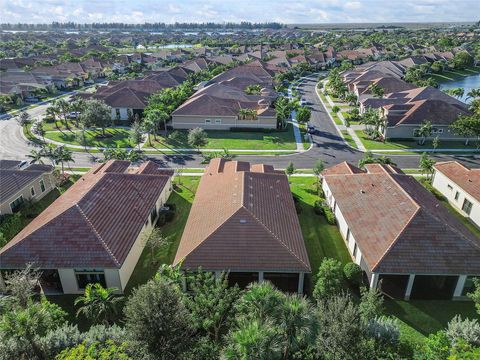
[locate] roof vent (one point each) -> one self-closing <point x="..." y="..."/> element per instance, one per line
<point x="243" y="221"/>
<point x="362" y="191"/>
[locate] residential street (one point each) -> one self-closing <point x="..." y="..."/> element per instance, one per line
<point x="327" y="145"/>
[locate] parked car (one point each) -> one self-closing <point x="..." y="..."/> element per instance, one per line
<point x="311" y="129"/>
<point x="73" y="114"/>
<point x="303" y="102"/>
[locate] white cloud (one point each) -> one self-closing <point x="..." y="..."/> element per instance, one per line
<point x="352" y="5"/>
<point x="303" y="11"/>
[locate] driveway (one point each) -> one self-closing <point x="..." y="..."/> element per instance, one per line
<point x="327" y="145"/>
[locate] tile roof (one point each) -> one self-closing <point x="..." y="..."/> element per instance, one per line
<point x="243" y="219"/>
<point x="468" y="179"/>
<point x="14" y="180"/>
<point x="400" y="227"/>
<point x="93" y="224"/>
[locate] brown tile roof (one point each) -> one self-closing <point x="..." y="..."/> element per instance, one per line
<point x="243" y="219"/>
<point x="468" y="179"/>
<point x="93" y="224"/>
<point x="14" y="180"/>
<point x="400" y="227"/>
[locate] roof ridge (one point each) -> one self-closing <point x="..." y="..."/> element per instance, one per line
<point x="98" y="236"/>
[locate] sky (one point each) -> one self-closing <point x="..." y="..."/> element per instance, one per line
<point x="284" y="11"/>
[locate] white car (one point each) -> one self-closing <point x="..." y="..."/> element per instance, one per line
<point x="303" y="102"/>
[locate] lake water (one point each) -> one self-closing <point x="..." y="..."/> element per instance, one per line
<point x="468" y="83"/>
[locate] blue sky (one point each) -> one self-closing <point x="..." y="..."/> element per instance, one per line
<point x="292" y="11"/>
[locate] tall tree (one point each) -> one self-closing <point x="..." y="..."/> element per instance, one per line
<point x="96" y="113"/>
<point x="329" y="279"/>
<point x="63" y="155"/>
<point x="158" y="324"/>
<point x="426" y="165"/>
<point x="424" y="131"/>
<point x="212" y="303"/>
<point x="136" y="134"/>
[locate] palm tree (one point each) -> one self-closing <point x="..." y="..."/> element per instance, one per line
<point x="63" y="155"/>
<point x="36" y="156"/>
<point x="53" y="111"/>
<point x="98" y="303"/>
<point x="474" y="93"/>
<point x="297" y="322"/>
<point x="424" y="131"/>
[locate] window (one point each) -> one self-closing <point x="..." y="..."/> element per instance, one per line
<point x="355" y="248"/>
<point x="42" y="186"/>
<point x="85" y="277"/>
<point x="208" y="121"/>
<point x="457" y="195"/>
<point x="467" y="206"/>
<point x="450" y="187"/>
<point x="218" y="121"/>
<point x="32" y="191"/>
<point x="17" y="203"/>
<point x="117" y="113"/>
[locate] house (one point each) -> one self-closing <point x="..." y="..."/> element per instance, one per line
<point x="223" y="103"/>
<point x="407" y="243"/>
<point x="95" y="231"/>
<point x="243" y="221"/>
<point x="461" y="186"/>
<point x="23" y="184"/>
<point x="405" y="111"/>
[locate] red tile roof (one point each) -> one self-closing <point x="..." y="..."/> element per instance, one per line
<point x="468" y="179"/>
<point x="243" y="219"/>
<point x="400" y="227"/>
<point x="93" y="224"/>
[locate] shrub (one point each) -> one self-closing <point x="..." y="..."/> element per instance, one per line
<point x="329" y="279"/>
<point x="169" y="215"/>
<point x="468" y="330"/>
<point x="384" y="329"/>
<point x="353" y="273"/>
<point x="162" y="219"/>
<point x="10" y="225"/>
<point x="318" y="207"/>
<point x="329" y="215"/>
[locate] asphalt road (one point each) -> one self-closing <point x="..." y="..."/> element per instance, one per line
<point x="327" y="145"/>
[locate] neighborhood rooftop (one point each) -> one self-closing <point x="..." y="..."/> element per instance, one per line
<point x="93" y="224"/>
<point x="243" y="219"/>
<point x="399" y="225"/>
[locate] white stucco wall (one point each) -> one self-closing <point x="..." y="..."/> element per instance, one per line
<point x="136" y="251"/>
<point x="441" y="182"/>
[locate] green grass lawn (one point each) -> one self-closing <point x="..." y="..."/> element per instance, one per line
<point x="407" y="145"/>
<point x="244" y="140"/>
<point x="321" y="239"/>
<point x="182" y="197"/>
<point x="336" y="119"/>
<point x="118" y="137"/>
<point x="429" y="316"/>
<point x="348" y="138"/>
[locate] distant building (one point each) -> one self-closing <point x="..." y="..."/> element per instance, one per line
<point x="21" y="185"/>
<point x="461" y="186"/>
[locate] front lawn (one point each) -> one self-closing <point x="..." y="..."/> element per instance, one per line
<point x="118" y="137"/>
<point x="408" y="145"/>
<point x="242" y="140"/>
<point x="182" y="196"/>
